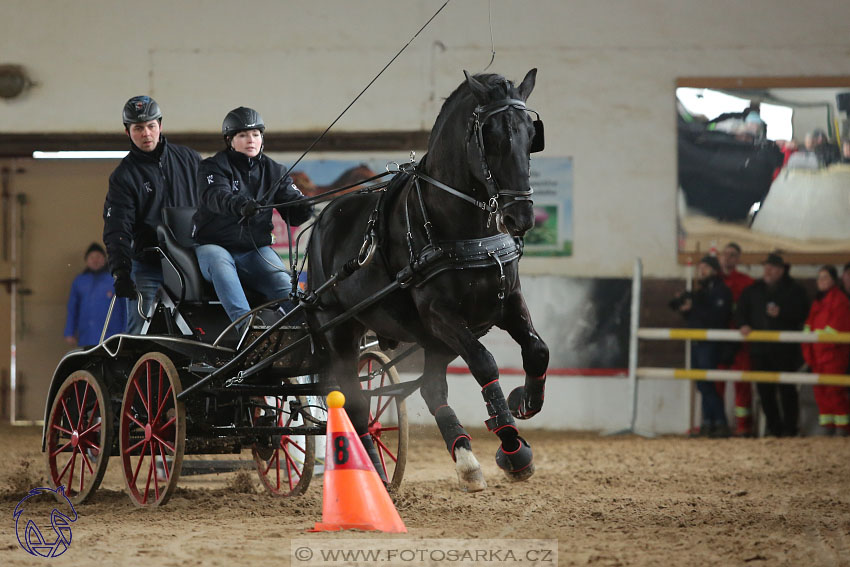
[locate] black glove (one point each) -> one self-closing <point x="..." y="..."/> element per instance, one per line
<point x="249" y="208"/>
<point x="124" y="286"/>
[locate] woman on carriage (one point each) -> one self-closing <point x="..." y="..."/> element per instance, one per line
<point x="232" y="233"/>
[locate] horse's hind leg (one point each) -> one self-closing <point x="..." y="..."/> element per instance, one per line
<point x="435" y="393"/>
<point x="514" y="456"/>
<point x="526" y="401"/>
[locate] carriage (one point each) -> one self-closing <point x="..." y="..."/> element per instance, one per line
<point x="417" y="259"/>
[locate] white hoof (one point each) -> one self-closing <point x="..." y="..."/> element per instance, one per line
<point x="469" y="475"/>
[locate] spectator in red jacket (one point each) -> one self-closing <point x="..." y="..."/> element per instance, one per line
<point x="830" y="313"/>
<point x="736" y="282"/>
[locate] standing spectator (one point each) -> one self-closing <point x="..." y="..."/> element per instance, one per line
<point x="88" y="302"/>
<point x="826" y="152"/>
<point x="775" y="302"/>
<point x="830" y="313"/>
<point x="155" y="174"/>
<point x="736" y="282"/>
<point x="709" y="307"/>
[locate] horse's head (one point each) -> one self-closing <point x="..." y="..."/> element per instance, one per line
<point x="500" y="138"/>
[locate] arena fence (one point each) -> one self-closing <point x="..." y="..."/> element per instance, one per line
<point x="636" y="372"/>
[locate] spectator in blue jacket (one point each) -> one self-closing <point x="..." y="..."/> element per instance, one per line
<point x="88" y="303"/>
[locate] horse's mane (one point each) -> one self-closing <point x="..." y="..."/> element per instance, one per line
<point x="498" y="88"/>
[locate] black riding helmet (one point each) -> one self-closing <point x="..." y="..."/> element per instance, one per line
<point x="141" y="109"/>
<point x="239" y="120"/>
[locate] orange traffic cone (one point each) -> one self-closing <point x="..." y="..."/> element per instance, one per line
<point x="354" y="497"/>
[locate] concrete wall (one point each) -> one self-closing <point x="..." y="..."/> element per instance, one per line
<point x="607" y="72"/>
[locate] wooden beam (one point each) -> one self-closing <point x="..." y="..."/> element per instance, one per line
<point x="814" y="81"/>
<point x="23" y="145"/>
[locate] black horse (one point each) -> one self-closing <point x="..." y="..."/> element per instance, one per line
<point x="445" y="230"/>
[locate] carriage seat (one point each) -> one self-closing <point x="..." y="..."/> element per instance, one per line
<point x="175" y="238"/>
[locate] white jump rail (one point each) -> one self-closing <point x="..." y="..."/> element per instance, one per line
<point x="727" y="335"/>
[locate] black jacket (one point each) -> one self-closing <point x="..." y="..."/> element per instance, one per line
<point x="227" y="181"/>
<point x="711" y="306"/>
<point x="141" y="185"/>
<point x="793" y="303"/>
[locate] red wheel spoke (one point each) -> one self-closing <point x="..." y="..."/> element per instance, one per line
<point x="162" y="441"/>
<point x="141" y="396"/>
<point x="141" y="460"/>
<point x="60" y="449"/>
<point x="131" y="448"/>
<point x="133" y="419"/>
<point x="159" y="395"/>
<point x="80" y="423"/>
<point x="62" y="429"/>
<point x="287" y="441"/>
<point x="67" y="415"/>
<point x="164" y="464"/>
<point x="86" y="461"/>
<point x="155" y="476"/>
<point x="148" y="387"/>
<point x="72" y="462"/>
<point x="381" y="410"/>
<point x="161" y="405"/>
<point x="83" y="464"/>
<point x="92" y="429"/>
<point x="386" y="449"/>
<point x="291" y="466"/>
<point x="167" y="424"/>
<point x="277" y="468"/>
<point x="148" y="483"/>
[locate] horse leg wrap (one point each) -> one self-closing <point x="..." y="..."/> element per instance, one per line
<point x="501" y="421"/>
<point x="366" y="439"/>
<point x="453" y="432"/>
<point x="515" y="461"/>
<point x="527" y="401"/>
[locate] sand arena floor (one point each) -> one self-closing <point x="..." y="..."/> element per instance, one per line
<point x="608" y="502"/>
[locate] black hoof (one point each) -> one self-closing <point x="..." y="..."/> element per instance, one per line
<point x="516" y="464"/>
<point x="519" y="405"/>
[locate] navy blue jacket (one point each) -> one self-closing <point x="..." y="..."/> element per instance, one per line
<point x="141" y="185"/>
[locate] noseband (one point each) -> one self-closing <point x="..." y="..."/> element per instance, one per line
<point x="479" y="117"/>
<point x="475" y="130"/>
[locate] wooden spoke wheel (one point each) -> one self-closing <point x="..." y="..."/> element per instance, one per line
<point x="79" y="435"/>
<point x="387" y="416"/>
<point x="286" y="468"/>
<point x="152" y="430"/>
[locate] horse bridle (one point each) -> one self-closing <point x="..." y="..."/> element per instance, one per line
<point x="475" y="130"/>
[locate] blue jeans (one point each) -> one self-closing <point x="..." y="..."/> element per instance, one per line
<point x="260" y="270"/>
<point x="705" y="355"/>
<point x="148" y="278"/>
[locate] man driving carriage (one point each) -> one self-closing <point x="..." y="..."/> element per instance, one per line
<point x="155" y="174"/>
<point x="231" y="229"/>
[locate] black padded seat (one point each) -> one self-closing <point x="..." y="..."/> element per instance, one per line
<point x="175" y="238"/>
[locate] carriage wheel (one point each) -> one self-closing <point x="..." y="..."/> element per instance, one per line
<point x="287" y="471"/>
<point x="153" y="430"/>
<point x="79" y="435"/>
<point x="387" y="416"/>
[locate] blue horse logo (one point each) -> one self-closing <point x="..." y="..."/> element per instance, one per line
<point x="30" y="536"/>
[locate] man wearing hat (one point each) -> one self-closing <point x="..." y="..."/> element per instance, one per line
<point x="155" y="174"/>
<point x="708" y="307"/>
<point x="88" y="302"/>
<point x="775" y="303"/>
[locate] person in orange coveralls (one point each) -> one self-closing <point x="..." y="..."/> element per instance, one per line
<point x="830" y="313"/>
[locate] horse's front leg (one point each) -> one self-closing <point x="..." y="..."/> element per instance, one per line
<point x="435" y="392"/>
<point x="526" y="401"/>
<point x="514" y="455"/>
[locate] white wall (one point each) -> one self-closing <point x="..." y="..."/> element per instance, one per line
<point x="607" y="73"/>
<point x="606" y="80"/>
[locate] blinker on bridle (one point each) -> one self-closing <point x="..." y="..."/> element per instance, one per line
<point x="480" y="116"/>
